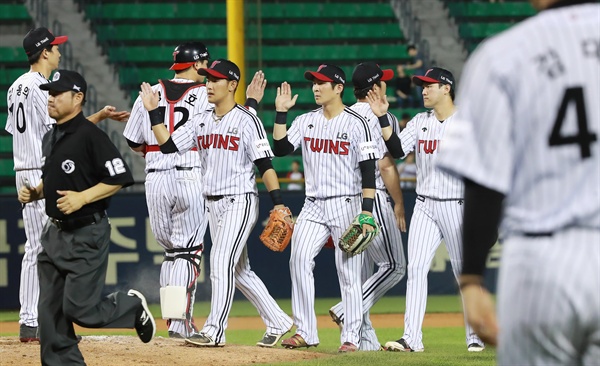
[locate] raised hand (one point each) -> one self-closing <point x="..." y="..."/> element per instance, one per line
<point x="379" y="104"/>
<point x="256" y="88"/>
<point x="111" y="112"/>
<point x="149" y="97"/>
<point x="284" y="100"/>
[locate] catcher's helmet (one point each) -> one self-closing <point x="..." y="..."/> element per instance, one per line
<point x="186" y="54"/>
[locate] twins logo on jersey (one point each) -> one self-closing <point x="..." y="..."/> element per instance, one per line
<point x="428" y="146"/>
<point x="217" y="141"/>
<point x="326" y="146"/>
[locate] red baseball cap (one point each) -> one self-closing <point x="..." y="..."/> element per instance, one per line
<point x="326" y="72"/>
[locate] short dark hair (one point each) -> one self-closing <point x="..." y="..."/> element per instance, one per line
<point x="405" y="116"/>
<point x="452" y="94"/>
<point x="362" y="93"/>
<point x="32" y="59"/>
<point x="411" y="47"/>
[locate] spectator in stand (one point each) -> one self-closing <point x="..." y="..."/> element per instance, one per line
<point x="295" y="173"/>
<point x="404" y="120"/>
<point x="417" y="67"/>
<point x="405" y="90"/>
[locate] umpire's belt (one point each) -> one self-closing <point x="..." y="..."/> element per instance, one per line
<point x="176" y="168"/>
<point x="78" y="222"/>
<point x="214" y="198"/>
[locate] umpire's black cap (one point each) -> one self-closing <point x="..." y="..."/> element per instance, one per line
<point x="222" y="69"/>
<point x="65" y="80"/>
<point x="435" y="75"/>
<point x="327" y="72"/>
<point x="185" y="55"/>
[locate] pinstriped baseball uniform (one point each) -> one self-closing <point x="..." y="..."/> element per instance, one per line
<point x="228" y="147"/>
<point x="28" y="121"/>
<point x="544" y="121"/>
<point x="386" y="249"/>
<point x="331" y="152"/>
<point x="437" y="215"/>
<point x="174" y="192"/>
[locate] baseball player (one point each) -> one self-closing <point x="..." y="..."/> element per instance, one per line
<point x="174" y="186"/>
<point x="386" y="249"/>
<point x="27" y="122"/>
<point x="542" y="187"/>
<point x="438" y="208"/>
<point x="230" y="141"/>
<point x="339" y="155"/>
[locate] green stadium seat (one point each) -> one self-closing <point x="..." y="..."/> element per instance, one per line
<point x="14" y="12"/>
<point x="481" y="30"/>
<point x="177" y="33"/>
<point x="5" y="144"/>
<point x="3" y="104"/>
<point x="154" y="54"/>
<point x="120" y="12"/>
<point x="3" y="117"/>
<point x="10" y="55"/>
<point x="6" y="167"/>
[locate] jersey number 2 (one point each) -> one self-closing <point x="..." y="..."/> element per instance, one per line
<point x="21" y="125"/>
<point x="583" y="138"/>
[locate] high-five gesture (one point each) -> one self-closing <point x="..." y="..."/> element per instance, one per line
<point x="379" y="104"/>
<point x="256" y="88"/>
<point x="284" y="100"/>
<point x="149" y="97"/>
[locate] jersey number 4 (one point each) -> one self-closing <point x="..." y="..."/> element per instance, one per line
<point x="583" y="138"/>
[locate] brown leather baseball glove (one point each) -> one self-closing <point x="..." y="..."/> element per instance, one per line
<point x="278" y="231"/>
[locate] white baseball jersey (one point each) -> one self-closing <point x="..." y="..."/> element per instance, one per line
<point x="528" y="128"/>
<point x="423" y="135"/>
<point x="138" y="128"/>
<point x="330" y="148"/>
<point x="228" y="148"/>
<point x="28" y="120"/>
<point x="364" y="109"/>
<point x="529" y="121"/>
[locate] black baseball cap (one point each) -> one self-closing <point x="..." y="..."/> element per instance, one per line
<point x="39" y="38"/>
<point x="327" y="73"/>
<point x="185" y="55"/>
<point x="368" y="73"/>
<point x="435" y="75"/>
<point x="65" y="80"/>
<point x="222" y="69"/>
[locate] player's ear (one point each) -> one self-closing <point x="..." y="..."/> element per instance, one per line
<point x="339" y="88"/>
<point x="233" y="85"/>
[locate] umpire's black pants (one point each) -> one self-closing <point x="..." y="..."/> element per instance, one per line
<point x="72" y="271"/>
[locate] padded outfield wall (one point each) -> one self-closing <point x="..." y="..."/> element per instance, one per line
<point x="135" y="257"/>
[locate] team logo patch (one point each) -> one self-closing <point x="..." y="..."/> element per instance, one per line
<point x="367" y="148"/>
<point x="262" y="145"/>
<point x="56" y="76"/>
<point x="68" y="166"/>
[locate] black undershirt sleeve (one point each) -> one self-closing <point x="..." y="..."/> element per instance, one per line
<point x="483" y="209"/>
<point x="263" y="164"/>
<point x="132" y="144"/>
<point x="282" y="147"/>
<point x="168" y="147"/>
<point x="367" y="169"/>
<point x="394" y="146"/>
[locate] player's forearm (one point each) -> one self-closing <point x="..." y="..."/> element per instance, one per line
<point x="100" y="191"/>
<point x="391" y="179"/>
<point x="272" y="183"/>
<point x="96" y="117"/>
<point x="367" y="170"/>
<point x="280" y="127"/>
<point x="158" y="126"/>
<point x="483" y="209"/>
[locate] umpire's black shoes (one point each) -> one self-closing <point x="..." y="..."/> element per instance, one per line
<point x="144" y="321"/>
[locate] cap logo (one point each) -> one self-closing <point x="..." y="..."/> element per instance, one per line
<point x="75" y="87"/>
<point x="203" y="54"/>
<point x="56" y="76"/>
<point x="215" y="63"/>
<point x="175" y="53"/>
<point x="340" y="78"/>
<point x="428" y="71"/>
<point x="42" y="42"/>
<point x="442" y="77"/>
<point x="196" y="57"/>
<point x="321" y="67"/>
<point x="233" y="74"/>
<point x="374" y="77"/>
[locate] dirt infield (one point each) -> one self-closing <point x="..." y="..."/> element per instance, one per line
<point x="102" y="350"/>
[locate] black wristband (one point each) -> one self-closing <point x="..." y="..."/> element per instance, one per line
<point x="276" y="197"/>
<point x="251" y="102"/>
<point x="157" y="116"/>
<point x="281" y="118"/>
<point x="384" y="121"/>
<point x="367" y="204"/>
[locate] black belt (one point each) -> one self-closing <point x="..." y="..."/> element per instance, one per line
<point x="176" y="168"/>
<point x="214" y="198"/>
<point x="422" y="199"/>
<point x="78" y="222"/>
<point x="539" y="235"/>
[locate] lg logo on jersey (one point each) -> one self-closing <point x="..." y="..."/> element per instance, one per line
<point x="68" y="166"/>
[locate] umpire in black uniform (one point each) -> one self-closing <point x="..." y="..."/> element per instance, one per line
<point x="81" y="170"/>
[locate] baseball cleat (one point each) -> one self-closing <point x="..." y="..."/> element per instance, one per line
<point x="475" y="347"/>
<point x="296" y="341"/>
<point x="336" y="320"/>
<point x="28" y="334"/>
<point x="175" y="335"/>
<point x="144" y="321"/>
<point x="202" y="340"/>
<point x="347" y="347"/>
<point x="400" y="346"/>
<point x="270" y="340"/>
